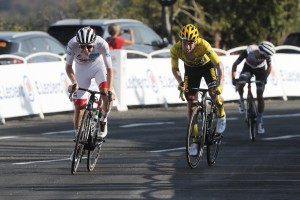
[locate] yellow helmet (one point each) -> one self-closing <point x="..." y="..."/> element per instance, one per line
<point x="189" y="32"/>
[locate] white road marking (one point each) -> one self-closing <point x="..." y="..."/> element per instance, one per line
<point x="167" y="150"/>
<point x="8" y="137"/>
<point x="45" y="161"/>
<point x="58" y="132"/>
<point x="145" y="124"/>
<point x="281" y="137"/>
<point x="150" y="124"/>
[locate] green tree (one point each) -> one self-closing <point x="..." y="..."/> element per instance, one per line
<point x="242" y="22"/>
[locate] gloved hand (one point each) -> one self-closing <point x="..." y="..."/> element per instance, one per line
<point x="219" y="89"/>
<point x="234" y="82"/>
<point x="110" y="95"/>
<point x="72" y="88"/>
<point x="181" y="86"/>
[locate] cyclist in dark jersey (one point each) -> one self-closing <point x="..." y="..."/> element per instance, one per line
<point x="257" y="57"/>
<point x="199" y="61"/>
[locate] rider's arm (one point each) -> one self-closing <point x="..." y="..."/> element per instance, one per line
<point x="69" y="62"/>
<point x="220" y="71"/>
<point x="234" y="66"/>
<point x="269" y="67"/>
<point x="175" y="66"/>
<point x="242" y="56"/>
<point x="70" y="73"/>
<point x="108" y="64"/>
<point x="131" y="40"/>
<point x="177" y="74"/>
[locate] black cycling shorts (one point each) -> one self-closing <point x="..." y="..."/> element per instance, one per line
<point x="259" y="73"/>
<point x="193" y="76"/>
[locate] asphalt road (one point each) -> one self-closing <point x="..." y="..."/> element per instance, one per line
<point x="144" y="158"/>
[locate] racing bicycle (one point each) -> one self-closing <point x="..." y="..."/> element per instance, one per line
<point x="251" y="110"/>
<point x="86" y="140"/>
<point x="202" y="130"/>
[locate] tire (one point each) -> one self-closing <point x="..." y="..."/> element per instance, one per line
<point x="252" y="120"/>
<point x="213" y="140"/>
<point x="94" y="148"/>
<point x="197" y="121"/>
<point x="252" y="129"/>
<point x="80" y="143"/>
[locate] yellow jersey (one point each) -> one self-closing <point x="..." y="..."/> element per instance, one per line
<point x="202" y="54"/>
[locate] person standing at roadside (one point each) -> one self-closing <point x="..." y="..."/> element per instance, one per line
<point x="115" y="41"/>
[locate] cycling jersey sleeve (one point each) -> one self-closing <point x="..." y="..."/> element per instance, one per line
<point x="70" y="53"/>
<point x="243" y="55"/>
<point x="174" y="56"/>
<point x="106" y="54"/>
<point x="213" y="56"/>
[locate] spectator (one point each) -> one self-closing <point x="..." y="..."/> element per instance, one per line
<point x="115" y="40"/>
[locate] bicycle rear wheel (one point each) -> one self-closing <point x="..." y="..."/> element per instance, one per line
<point x="94" y="147"/>
<point x="80" y="143"/>
<point x="213" y="141"/>
<point x="195" y="135"/>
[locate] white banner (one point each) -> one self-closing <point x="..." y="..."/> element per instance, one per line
<point x="38" y="88"/>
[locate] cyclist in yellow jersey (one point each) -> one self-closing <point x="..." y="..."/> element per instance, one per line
<point x="199" y="61"/>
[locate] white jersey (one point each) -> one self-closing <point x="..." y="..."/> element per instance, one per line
<point x="90" y="66"/>
<point x="251" y="59"/>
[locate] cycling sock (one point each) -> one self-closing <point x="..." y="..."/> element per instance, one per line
<point x="241" y="99"/>
<point x="221" y="111"/>
<point x="104" y="116"/>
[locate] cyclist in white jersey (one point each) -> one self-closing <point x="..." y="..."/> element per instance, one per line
<point x="92" y="60"/>
<point x="257" y="57"/>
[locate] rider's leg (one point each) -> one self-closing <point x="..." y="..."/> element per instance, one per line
<point x="105" y="108"/>
<point x="79" y="106"/>
<point x="221" y="123"/>
<point x="260" y="105"/>
<point x="260" y="86"/>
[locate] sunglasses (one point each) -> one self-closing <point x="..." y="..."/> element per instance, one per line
<point x="88" y="46"/>
<point x="186" y="41"/>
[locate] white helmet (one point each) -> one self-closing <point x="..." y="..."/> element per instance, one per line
<point x="85" y="35"/>
<point x="267" y="48"/>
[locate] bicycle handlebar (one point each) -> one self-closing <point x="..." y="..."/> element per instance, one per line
<point x="87" y="90"/>
<point x="247" y="81"/>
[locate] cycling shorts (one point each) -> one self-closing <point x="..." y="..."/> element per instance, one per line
<point x="259" y="73"/>
<point x="193" y="76"/>
<point x="84" y="75"/>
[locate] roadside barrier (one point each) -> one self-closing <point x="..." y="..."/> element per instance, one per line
<point x="139" y="79"/>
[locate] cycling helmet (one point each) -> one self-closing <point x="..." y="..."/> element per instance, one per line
<point x="189" y="32"/>
<point x="267" y="48"/>
<point x="85" y="35"/>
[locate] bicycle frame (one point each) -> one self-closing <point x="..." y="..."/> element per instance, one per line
<point x="251" y="111"/>
<point x="87" y="134"/>
<point x="204" y="114"/>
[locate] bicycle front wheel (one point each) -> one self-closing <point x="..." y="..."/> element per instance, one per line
<point x="252" y="128"/>
<point x="195" y="137"/>
<point x="213" y="140"/>
<point x="80" y="142"/>
<point x="252" y="120"/>
<point x="94" y="148"/>
<point x="213" y="146"/>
